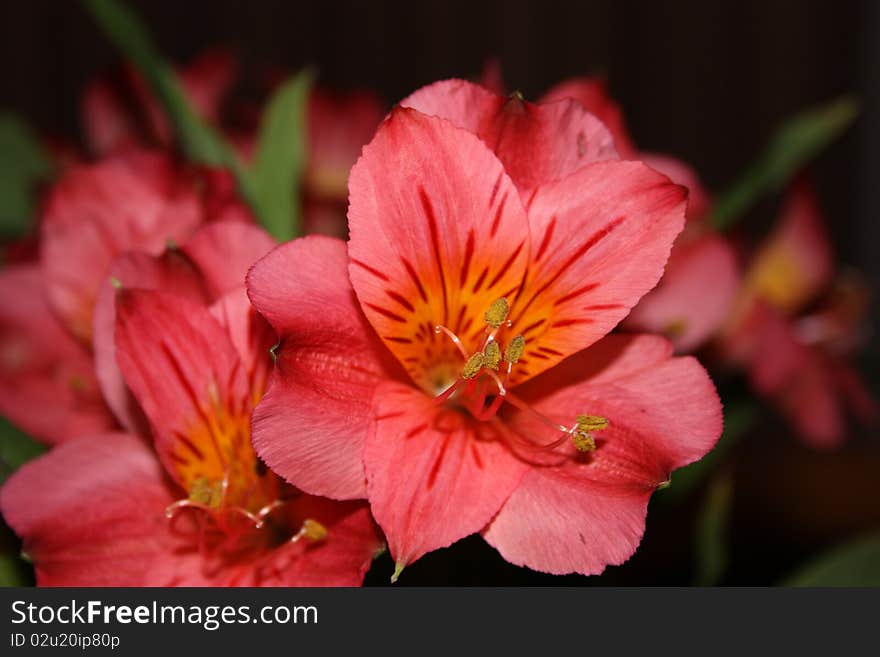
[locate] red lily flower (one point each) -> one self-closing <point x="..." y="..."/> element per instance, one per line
<point x="683" y="307"/>
<point x="201" y="509"/>
<point x="811" y="387"/>
<point x="798" y="360"/>
<point x="121" y="114"/>
<point x="409" y="369"/>
<point x="204" y="269"/>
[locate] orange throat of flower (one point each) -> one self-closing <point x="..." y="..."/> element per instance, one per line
<point x="238" y="504"/>
<point x="481" y="385"/>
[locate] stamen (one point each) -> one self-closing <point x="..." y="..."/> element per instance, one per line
<point x="515" y="349"/>
<point x="172" y="509"/>
<point x="492" y="355"/>
<point x="502" y="391"/>
<point x="312" y="530"/>
<point x="589" y="423"/>
<point x="583" y="441"/>
<point x="473" y="365"/>
<point x="455" y="340"/>
<point x="202" y="491"/>
<point x="497" y="313"/>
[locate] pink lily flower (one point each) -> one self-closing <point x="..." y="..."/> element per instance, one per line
<point x="137" y="201"/>
<point x="683" y="307"/>
<point x="194" y="506"/>
<point x="121" y="114"/>
<point x="814" y="389"/>
<point x="795" y="359"/>
<point x="439" y="368"/>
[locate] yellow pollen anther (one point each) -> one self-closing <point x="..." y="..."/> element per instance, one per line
<point x="588" y="423"/>
<point x="492" y="355"/>
<point x="473" y="365"/>
<point x="515" y="349"/>
<point x="202" y="491"/>
<point x="497" y="313"/>
<point x="583" y="441"/>
<point x="314" y="530"/>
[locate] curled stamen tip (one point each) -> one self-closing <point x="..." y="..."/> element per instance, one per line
<point x="497" y="313"/>
<point x="438" y="329"/>
<point x="515" y="349"/>
<point x="473" y="365"/>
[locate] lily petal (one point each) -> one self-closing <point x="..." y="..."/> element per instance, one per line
<point x="173" y="272"/>
<point x="536" y="143"/>
<point x="91" y="512"/>
<point x="593" y="94"/>
<point x="600" y="240"/>
<point x="47" y="383"/>
<point x="224" y="250"/>
<point x="589" y="512"/>
<point x="182" y="368"/>
<point x="683" y="307"/>
<point x="433" y="475"/>
<point x="311" y="425"/>
<point x="97" y="212"/>
<point x="437" y="235"/>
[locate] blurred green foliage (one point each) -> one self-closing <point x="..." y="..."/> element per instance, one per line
<point x="713" y="526"/>
<point x="796" y="142"/>
<point x="23" y="164"/>
<point x="856" y="563"/>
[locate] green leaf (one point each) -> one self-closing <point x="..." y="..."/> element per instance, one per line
<point x="16" y="448"/>
<point x="713" y="525"/>
<point x="738" y="419"/>
<point x="856" y="563"/>
<point x="199" y="141"/>
<point x="280" y="157"/>
<point x="23" y="163"/>
<point x="797" y="142"/>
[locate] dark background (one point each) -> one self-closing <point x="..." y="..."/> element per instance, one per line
<point x="705" y="81"/>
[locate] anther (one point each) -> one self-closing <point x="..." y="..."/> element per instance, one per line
<point x="581" y="433"/>
<point x="473" y="365"/>
<point x="497" y="313"/>
<point x="202" y="491"/>
<point x="492" y="355"/>
<point x="589" y="423"/>
<point x="314" y="530"/>
<point x="515" y="349"/>
<point x="583" y="441"/>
